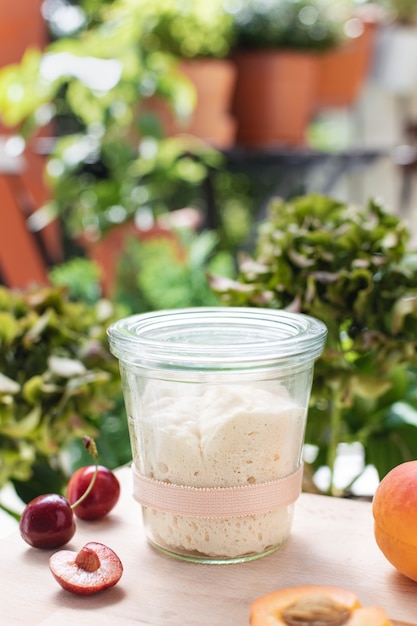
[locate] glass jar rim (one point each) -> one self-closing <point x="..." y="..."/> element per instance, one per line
<point x="216" y="338"/>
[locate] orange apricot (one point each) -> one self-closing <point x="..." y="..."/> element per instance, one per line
<point x="394" y="508"/>
<point x="314" y="604"/>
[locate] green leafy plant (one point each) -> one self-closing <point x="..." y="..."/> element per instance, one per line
<point x="187" y="29"/>
<point x="401" y="11"/>
<point x="350" y="267"/>
<point x="57" y="379"/>
<point x="109" y="161"/>
<point x="81" y="277"/>
<point x="292" y="24"/>
<point x="95" y="89"/>
<point x="160" y="273"/>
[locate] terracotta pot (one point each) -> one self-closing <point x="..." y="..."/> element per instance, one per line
<point x="342" y="72"/>
<point x="275" y="96"/>
<point x="211" y="120"/>
<point x="21" y="262"/>
<point x="21" y="26"/>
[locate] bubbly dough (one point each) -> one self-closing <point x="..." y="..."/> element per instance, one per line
<point x="217" y="436"/>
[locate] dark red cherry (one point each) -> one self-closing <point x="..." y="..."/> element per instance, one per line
<point x="102" y="497"/>
<point x="47" y="522"/>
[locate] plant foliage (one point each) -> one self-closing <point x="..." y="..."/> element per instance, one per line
<point x="185" y="28"/>
<point x="292" y="24"/>
<point x="95" y="91"/>
<point x="401" y="11"/>
<point x="160" y="273"/>
<point x="57" y="378"/>
<point x="348" y="266"/>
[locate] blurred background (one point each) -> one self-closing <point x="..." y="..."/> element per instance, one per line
<point x="128" y="110"/>
<point x="142" y="143"/>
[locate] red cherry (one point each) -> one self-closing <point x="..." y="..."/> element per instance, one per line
<point x="47" y="522"/>
<point x="102" y="497"/>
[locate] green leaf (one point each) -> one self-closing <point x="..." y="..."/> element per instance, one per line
<point x="9" y="328"/>
<point x="33" y="389"/>
<point x="8" y="386"/>
<point x="405" y="306"/>
<point x="390" y="448"/>
<point x="370" y="386"/>
<point x="66" y="368"/>
<point x="402" y="413"/>
<point x="44" y="479"/>
<point x="24" y="427"/>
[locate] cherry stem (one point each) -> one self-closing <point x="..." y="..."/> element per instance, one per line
<point x="91" y="447"/>
<point x="13" y="514"/>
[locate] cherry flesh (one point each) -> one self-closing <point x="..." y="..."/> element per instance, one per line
<point x="102" y="497"/>
<point x="47" y="522"/>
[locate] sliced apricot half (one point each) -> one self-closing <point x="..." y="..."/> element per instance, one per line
<point x="316" y="605"/>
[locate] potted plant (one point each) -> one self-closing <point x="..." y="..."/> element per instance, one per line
<point x="395" y="66"/>
<point x="57" y="379"/>
<point x="109" y="163"/>
<point x="276" y="53"/>
<point x="350" y="267"/>
<point x="344" y="69"/>
<point x="198" y="35"/>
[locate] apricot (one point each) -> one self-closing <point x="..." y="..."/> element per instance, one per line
<point x="394" y="509"/>
<point x="313" y="605"/>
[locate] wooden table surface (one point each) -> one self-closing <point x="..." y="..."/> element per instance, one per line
<point x="332" y="543"/>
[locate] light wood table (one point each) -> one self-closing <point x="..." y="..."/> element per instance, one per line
<point x="332" y="542"/>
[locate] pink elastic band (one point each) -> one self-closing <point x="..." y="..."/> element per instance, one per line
<point x="217" y="501"/>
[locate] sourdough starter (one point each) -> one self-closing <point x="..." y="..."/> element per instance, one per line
<point x="216" y="436"/>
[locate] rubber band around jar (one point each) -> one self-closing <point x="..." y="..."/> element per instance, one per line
<point x="216" y="502"/>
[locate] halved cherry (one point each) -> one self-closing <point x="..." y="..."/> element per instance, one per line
<point x="94" y="568"/>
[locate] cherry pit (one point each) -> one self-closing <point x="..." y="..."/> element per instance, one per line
<point x="48" y="521"/>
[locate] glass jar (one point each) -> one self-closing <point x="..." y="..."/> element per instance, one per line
<point x="216" y="400"/>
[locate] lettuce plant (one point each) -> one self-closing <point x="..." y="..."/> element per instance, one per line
<point x="57" y="378"/>
<point x="350" y="267"/>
